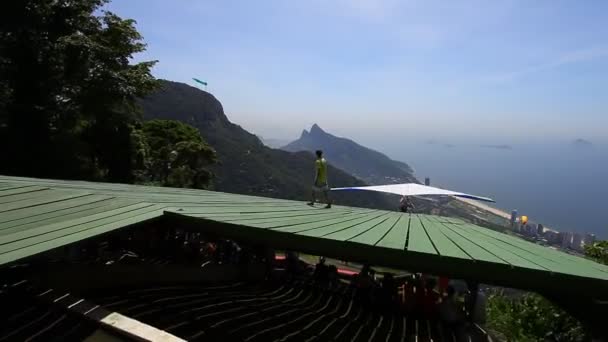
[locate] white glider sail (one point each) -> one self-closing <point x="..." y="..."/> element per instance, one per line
<point x="413" y="189"/>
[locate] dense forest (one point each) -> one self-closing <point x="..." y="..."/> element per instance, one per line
<point x="68" y="100"/>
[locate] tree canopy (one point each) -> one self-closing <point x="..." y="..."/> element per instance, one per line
<point x="598" y="251"/>
<point x="68" y="89"/>
<point x="174" y="154"/>
<point x="530" y="317"/>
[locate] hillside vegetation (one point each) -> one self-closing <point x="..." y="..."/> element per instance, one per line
<point x="245" y="164"/>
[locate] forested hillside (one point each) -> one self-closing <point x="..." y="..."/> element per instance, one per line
<point x="246" y="165"/>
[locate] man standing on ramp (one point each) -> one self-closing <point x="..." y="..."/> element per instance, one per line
<point x="320" y="184"/>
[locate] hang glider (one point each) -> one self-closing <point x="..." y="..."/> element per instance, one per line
<point x="413" y="189"/>
<point x="200" y="82"/>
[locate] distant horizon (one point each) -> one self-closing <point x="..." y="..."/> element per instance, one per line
<point x="499" y="144"/>
<point x="375" y="68"/>
<point x="554" y="183"/>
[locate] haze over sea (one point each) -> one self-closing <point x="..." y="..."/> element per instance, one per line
<point x="557" y="184"/>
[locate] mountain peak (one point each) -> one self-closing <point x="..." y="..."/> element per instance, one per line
<point x="185" y="103"/>
<point x="304" y="134"/>
<point x="315" y="129"/>
<point x="366" y="164"/>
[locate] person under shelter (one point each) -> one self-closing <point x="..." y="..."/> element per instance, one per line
<point x="405" y="204"/>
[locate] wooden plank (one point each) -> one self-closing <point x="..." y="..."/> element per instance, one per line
<point x="374" y="235"/>
<point x="397" y="235"/>
<point x="418" y="240"/>
<point x="85" y="211"/>
<point x="247" y="209"/>
<point x="443" y="244"/>
<point x="59" y="226"/>
<point x="304" y="221"/>
<point x="45" y="245"/>
<point x="346" y="219"/>
<point x="26" y="195"/>
<point x="50" y="208"/>
<point x="432" y="218"/>
<point x="21" y="190"/>
<point x="41" y="200"/>
<point x="285" y="221"/>
<point x="193" y="199"/>
<point x="453" y="220"/>
<point x="148" y="191"/>
<point x="275" y="215"/>
<point x="151" y="193"/>
<point x="250" y="209"/>
<point x="475" y="251"/>
<point x="265" y="216"/>
<point x="359" y="229"/>
<point x="193" y="208"/>
<point x="190" y="206"/>
<point x="98" y="186"/>
<point x="548" y="254"/>
<point x="5" y="185"/>
<point x="9" y="243"/>
<point x="547" y="258"/>
<point x="326" y="230"/>
<point x="442" y="219"/>
<point x="496" y="248"/>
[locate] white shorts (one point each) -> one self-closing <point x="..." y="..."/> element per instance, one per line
<point x="320" y="187"/>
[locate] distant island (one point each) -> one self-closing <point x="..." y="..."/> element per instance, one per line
<point x="582" y="143"/>
<point x="446" y="145"/>
<point x="498" y="147"/>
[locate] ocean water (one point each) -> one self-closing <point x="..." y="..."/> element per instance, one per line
<point x="560" y="185"/>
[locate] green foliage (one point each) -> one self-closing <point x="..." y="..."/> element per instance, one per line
<point x="598" y="251"/>
<point x="68" y="89"/>
<point x="172" y="153"/>
<point x="530" y="317"/>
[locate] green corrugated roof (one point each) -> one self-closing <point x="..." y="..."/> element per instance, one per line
<point x="38" y="215"/>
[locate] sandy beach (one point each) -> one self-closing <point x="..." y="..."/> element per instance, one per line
<point x="486" y="207"/>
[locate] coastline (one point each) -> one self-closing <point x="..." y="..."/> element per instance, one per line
<point x="485" y="207"/>
<point x="495" y="211"/>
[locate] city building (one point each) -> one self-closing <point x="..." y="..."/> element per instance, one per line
<point x="529" y="229"/>
<point x="577" y="242"/>
<point x="427" y="181"/>
<point x="553" y="237"/>
<point x="540" y="230"/>
<point x="513" y="218"/>
<point x="589" y="239"/>
<point x="566" y="239"/>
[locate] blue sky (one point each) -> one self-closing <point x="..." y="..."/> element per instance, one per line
<point x="498" y="71"/>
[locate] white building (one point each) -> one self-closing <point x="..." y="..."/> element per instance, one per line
<point x="566" y="239"/>
<point x="577" y="242"/>
<point x="589" y="239"/>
